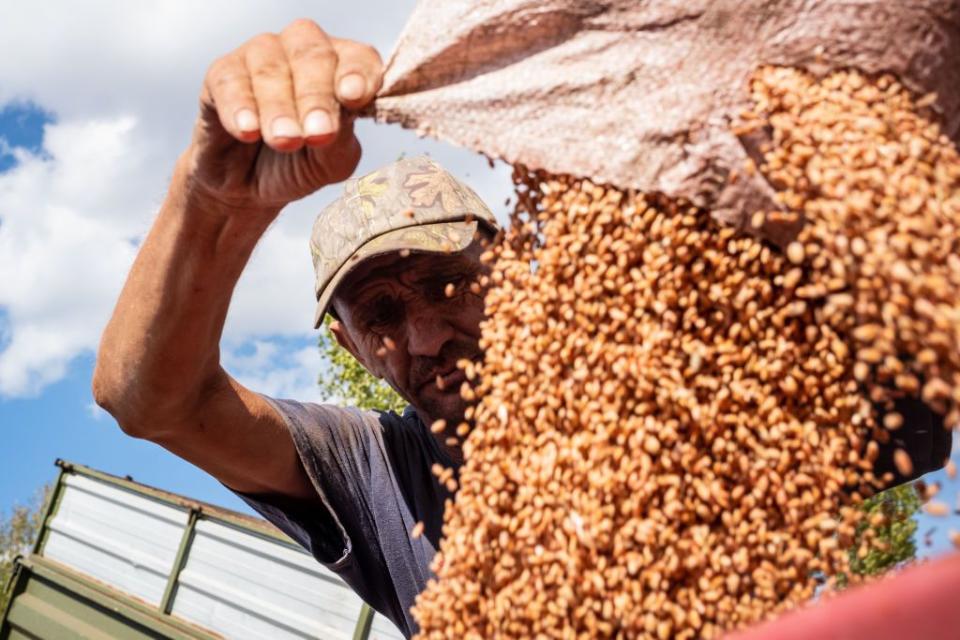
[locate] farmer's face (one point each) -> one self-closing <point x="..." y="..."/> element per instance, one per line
<point x="402" y="302"/>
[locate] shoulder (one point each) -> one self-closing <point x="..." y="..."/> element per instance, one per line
<point x="318" y="427"/>
<point x="323" y="429"/>
<point x="312" y="412"/>
<point x="326" y="417"/>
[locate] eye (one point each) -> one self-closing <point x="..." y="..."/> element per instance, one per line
<point x="383" y="312"/>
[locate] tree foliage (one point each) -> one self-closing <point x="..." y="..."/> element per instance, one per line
<point x="18" y="532"/>
<point x="894" y="531"/>
<point x="348" y="381"/>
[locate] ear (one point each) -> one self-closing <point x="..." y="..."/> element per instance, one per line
<point x="343" y="338"/>
<point x="346" y="341"/>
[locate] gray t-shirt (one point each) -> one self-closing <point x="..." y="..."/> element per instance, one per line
<point x="372" y="473"/>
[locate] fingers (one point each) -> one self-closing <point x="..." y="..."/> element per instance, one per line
<point x="313" y="63"/>
<point x="227" y="88"/>
<point x="289" y="88"/>
<point x="272" y="82"/>
<point x="359" y="73"/>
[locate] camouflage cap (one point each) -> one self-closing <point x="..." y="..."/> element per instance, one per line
<point x="412" y="204"/>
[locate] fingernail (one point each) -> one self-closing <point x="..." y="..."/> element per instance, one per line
<point x="285" y="127"/>
<point x="317" y="123"/>
<point x="352" y="86"/>
<point x="247" y="120"/>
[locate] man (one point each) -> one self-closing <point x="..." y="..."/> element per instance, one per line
<point x="394" y="257"/>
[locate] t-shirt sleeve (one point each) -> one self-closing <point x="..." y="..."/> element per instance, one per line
<point x="335" y="445"/>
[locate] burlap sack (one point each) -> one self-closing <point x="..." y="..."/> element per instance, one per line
<point x="643" y="93"/>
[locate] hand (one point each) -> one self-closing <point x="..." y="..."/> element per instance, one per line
<point x="271" y="129"/>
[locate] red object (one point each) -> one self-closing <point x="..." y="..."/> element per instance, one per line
<point x="921" y="603"/>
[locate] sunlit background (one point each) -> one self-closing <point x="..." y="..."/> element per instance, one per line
<point x="96" y="101"/>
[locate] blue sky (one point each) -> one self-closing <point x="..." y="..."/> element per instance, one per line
<point x="85" y="152"/>
<point x="86" y="149"/>
<point x="21" y="126"/>
<point x="59" y="421"/>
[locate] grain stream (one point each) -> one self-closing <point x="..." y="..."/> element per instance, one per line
<point x="675" y="421"/>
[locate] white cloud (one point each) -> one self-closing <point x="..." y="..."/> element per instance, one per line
<point x="64" y="246"/>
<point x="95" y="412"/>
<point x="278" y="372"/>
<point x="108" y="56"/>
<point x="121" y="79"/>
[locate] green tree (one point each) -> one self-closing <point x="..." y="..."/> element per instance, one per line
<point x="894" y="531"/>
<point x="18" y="531"/>
<point x="347" y="380"/>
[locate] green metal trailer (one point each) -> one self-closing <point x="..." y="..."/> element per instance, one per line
<point x="118" y="559"/>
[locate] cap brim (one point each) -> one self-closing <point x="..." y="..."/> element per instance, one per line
<point x="440" y="238"/>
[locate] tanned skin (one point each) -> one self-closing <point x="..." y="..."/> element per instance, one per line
<point x="405" y="300"/>
<point x="270" y="131"/>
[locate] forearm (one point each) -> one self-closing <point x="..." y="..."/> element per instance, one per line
<point x="159" y="353"/>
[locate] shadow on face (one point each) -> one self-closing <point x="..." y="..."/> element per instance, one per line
<point x="409" y="319"/>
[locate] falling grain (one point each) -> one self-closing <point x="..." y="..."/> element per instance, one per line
<point x="673" y="425"/>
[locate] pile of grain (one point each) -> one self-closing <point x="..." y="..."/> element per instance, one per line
<point x="676" y="421"/>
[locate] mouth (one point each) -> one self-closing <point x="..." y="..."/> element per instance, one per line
<point x="450" y="379"/>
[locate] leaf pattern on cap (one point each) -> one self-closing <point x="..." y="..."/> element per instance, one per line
<point x="426" y="187"/>
<point x="369" y="188"/>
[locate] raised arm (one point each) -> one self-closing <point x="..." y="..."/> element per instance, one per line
<point x="271" y="130"/>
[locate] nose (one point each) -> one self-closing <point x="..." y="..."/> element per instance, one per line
<point x="427" y="332"/>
